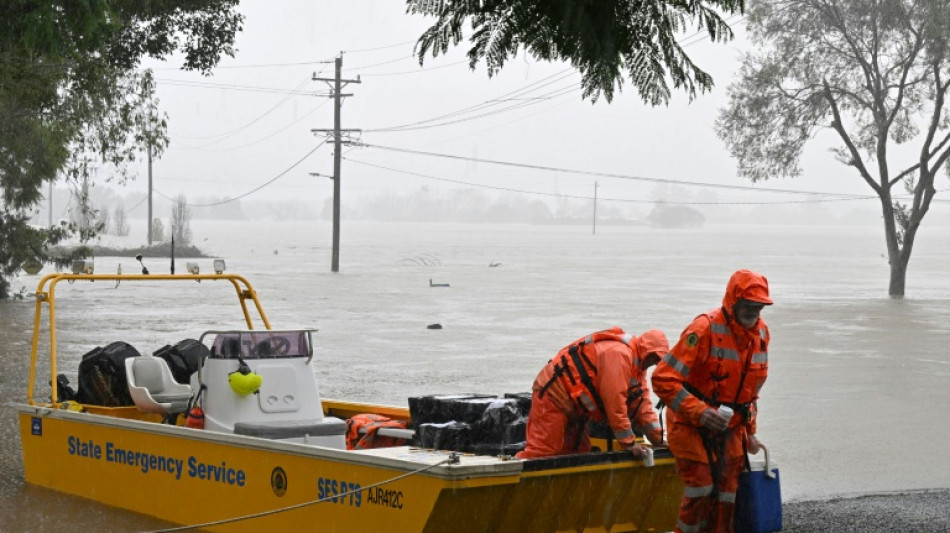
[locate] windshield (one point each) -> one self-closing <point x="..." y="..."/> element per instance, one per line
<point x="260" y="344"/>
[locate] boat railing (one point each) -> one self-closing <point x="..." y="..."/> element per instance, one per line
<point x="46" y="296"/>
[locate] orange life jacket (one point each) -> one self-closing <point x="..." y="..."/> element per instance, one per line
<point x="372" y="422"/>
<point x="575" y="368"/>
<point x="733" y="375"/>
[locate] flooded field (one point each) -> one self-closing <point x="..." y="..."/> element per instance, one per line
<point x="854" y="402"/>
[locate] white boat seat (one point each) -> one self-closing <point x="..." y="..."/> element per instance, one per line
<point x="152" y="387"/>
<point x="292" y="429"/>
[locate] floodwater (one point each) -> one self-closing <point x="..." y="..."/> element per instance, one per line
<point x="858" y="386"/>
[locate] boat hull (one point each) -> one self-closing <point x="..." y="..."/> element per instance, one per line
<point x="189" y="477"/>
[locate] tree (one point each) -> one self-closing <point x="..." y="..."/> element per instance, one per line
<point x="603" y="39"/>
<point x="181" y="220"/>
<point x="120" y="222"/>
<point x="104" y="219"/>
<point x="71" y="96"/>
<point x="158" y="230"/>
<point x="871" y="72"/>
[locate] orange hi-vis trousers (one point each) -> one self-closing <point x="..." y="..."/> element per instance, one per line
<point x="700" y="510"/>
<point x="551" y="431"/>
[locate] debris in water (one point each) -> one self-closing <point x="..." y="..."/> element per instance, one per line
<point x="434" y="326"/>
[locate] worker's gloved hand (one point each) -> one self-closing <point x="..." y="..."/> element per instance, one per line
<point x="753" y="445"/>
<point x="639" y="451"/>
<point x="713" y="421"/>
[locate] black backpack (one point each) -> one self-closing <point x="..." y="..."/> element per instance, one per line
<point x="102" y="379"/>
<point x="184" y="358"/>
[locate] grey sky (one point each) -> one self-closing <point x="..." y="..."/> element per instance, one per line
<point x="251" y="120"/>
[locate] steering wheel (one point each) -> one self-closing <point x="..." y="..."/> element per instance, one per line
<point x="273" y="346"/>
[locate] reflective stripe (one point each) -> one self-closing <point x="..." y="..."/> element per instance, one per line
<point x="761" y="357"/>
<point x="762" y="335"/>
<point x="589" y="339"/>
<point x="727" y="497"/>
<point x="677" y="365"/>
<point x="648" y="427"/>
<point x="697" y="492"/>
<point x="624" y="435"/>
<point x="722" y="329"/>
<point x="686" y="528"/>
<point x="725" y="353"/>
<point x="588" y="403"/>
<point x="678" y="399"/>
<point x="634" y="382"/>
<point x="626" y="338"/>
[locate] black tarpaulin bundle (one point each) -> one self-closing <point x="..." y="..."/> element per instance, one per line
<point x="473" y="423"/>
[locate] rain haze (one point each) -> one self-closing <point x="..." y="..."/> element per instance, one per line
<point x="242" y="139"/>
<point x="855" y="397"/>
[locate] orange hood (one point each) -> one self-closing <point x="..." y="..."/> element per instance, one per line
<point x="652" y="341"/>
<point x="746" y="285"/>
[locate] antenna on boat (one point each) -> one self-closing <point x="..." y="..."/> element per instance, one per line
<point x="139" y="259"/>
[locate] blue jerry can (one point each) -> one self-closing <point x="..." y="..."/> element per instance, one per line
<point x="759" y="498"/>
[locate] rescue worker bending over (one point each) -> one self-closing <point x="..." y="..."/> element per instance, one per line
<point x="597" y="376"/>
<point x="721" y="359"/>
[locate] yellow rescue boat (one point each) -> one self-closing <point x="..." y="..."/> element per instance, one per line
<point x="272" y="453"/>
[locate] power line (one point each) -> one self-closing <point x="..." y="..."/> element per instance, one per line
<point x="581" y="197"/>
<point x="377" y="48"/>
<point x="483" y="130"/>
<point x="262" y="139"/>
<point x="262" y="65"/>
<point x="233" y="87"/>
<point x="403" y="58"/>
<point x="527" y="89"/>
<point x="525" y="103"/>
<point x="604" y="174"/>
<point x="222" y="136"/>
<point x="254" y="190"/>
<point x="703" y="35"/>
<point x="425" y="69"/>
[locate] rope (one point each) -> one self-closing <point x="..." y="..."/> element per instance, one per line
<point x="452" y="459"/>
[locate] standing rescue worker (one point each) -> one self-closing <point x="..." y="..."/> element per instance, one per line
<point x="602" y="375"/>
<point x="720" y="359"/>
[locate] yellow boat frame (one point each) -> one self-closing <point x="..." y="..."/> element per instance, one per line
<point x="170" y="471"/>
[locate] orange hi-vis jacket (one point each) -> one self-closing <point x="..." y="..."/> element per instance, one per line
<point x="599" y="376"/>
<point x="715" y="362"/>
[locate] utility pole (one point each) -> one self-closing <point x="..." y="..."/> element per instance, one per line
<point x="594" y="232"/>
<point x="149" y="193"/>
<point x="337" y="140"/>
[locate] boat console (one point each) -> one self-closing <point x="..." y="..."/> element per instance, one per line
<point x="286" y="405"/>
